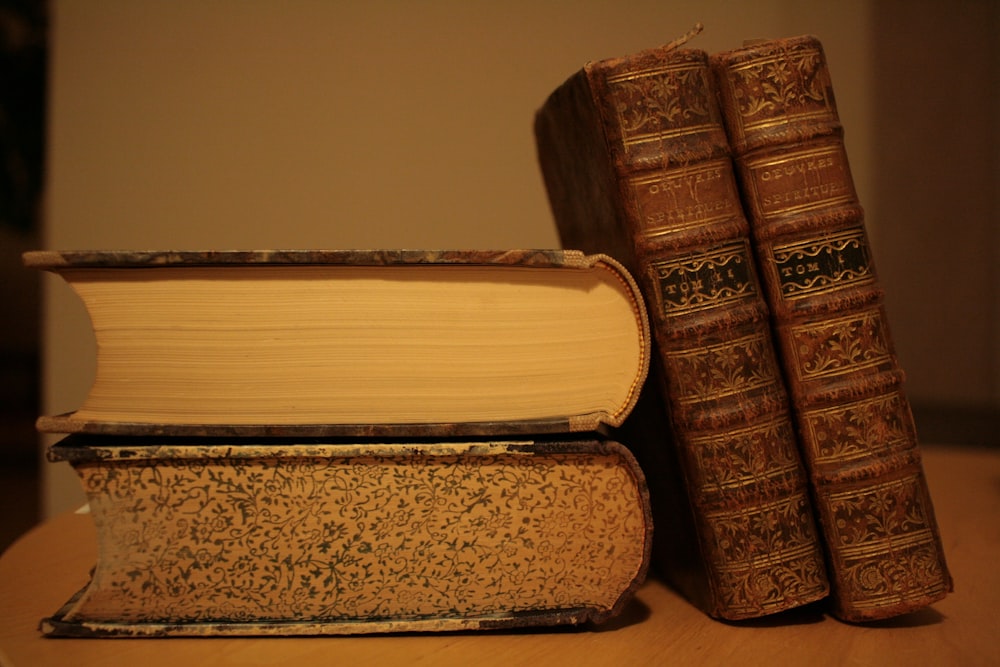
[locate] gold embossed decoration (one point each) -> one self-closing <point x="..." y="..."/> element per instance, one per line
<point x="888" y="551"/>
<point x="662" y="102"/>
<point x="636" y="162"/>
<point x="784" y="88"/>
<point x="884" y="553"/>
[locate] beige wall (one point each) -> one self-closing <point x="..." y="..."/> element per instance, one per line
<point x="253" y="124"/>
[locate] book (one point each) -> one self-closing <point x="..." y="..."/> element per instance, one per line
<point x="263" y="536"/>
<point x="355" y="343"/>
<point x="845" y="382"/>
<point x="636" y="165"/>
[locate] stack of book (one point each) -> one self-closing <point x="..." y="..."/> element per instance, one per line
<point x="347" y="442"/>
<point x="722" y="183"/>
<point x="353" y="442"/>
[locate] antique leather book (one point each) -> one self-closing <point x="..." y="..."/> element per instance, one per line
<point x="355" y="343"/>
<point x="845" y="382"/>
<point x="636" y="165"/>
<point x="264" y="536"/>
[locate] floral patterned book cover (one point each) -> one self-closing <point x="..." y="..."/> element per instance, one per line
<point x="202" y="537"/>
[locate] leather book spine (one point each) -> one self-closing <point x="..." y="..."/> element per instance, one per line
<point x="636" y="164"/>
<point x="845" y="382"/>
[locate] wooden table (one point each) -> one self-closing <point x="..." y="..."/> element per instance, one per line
<point x="39" y="572"/>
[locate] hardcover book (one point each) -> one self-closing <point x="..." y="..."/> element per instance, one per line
<point x="210" y="536"/>
<point x="636" y="164"/>
<point x="845" y="382"/>
<point x="355" y="343"/>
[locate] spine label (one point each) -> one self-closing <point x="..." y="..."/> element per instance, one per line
<point x="822" y="265"/>
<point x="704" y="280"/>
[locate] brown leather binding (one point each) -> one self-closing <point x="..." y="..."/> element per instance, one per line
<point x="846" y="386"/>
<point x="636" y="164"/>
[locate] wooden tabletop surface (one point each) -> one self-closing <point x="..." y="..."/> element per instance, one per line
<point x="50" y="563"/>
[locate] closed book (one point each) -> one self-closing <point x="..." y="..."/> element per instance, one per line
<point x="636" y="164"/>
<point x="844" y="379"/>
<point x="263" y="536"/>
<point x="355" y="343"/>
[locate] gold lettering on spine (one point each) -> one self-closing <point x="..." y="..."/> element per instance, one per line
<point x="703" y="280"/>
<point x="676" y="199"/>
<point x="800" y="182"/>
<point x="823" y="265"/>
